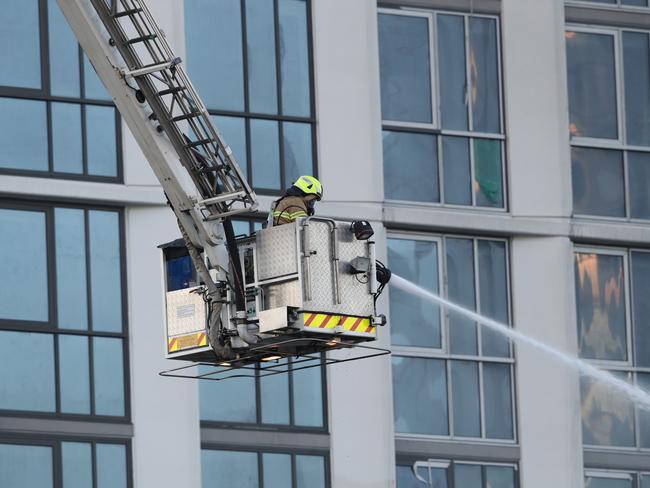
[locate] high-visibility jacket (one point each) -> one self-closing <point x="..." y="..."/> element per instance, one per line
<point x="288" y="209"/>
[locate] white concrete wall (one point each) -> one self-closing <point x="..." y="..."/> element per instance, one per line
<point x="166" y="442"/>
<point x="548" y="395"/>
<point x="350" y="161"/>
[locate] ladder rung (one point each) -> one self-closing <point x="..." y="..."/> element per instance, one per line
<point x="135" y="40"/>
<point x="126" y="13"/>
<point x="169" y="91"/>
<point x="221" y="198"/>
<point x="191" y="115"/>
<point x="199" y="143"/>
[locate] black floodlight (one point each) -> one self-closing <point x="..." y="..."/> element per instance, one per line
<point x="362" y="230"/>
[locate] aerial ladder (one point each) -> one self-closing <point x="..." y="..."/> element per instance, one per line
<point x="238" y="303"/>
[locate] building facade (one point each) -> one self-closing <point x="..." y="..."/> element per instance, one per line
<point x="501" y="151"/>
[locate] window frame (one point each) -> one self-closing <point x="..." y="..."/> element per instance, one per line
<point x="44" y="95"/>
<point x="211" y="446"/>
<point x="434" y="129"/>
<point x="55" y="443"/>
<point x="620" y="145"/>
<point x="446" y="355"/>
<point x="51" y="326"/>
<point x="449" y="464"/>
<point x="628" y="367"/>
<point x="604" y="6"/>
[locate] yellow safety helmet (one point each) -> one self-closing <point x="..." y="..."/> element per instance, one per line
<point x="309" y="186"/>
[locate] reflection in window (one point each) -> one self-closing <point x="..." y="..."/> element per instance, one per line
<point x="598" y="182"/>
<point x="226" y="469"/>
<point x="600" y="295"/>
<point x="609" y="481"/>
<point x="26" y="466"/>
<point x="20" y="44"/>
<point x="252" y="58"/>
<point x="450" y="474"/>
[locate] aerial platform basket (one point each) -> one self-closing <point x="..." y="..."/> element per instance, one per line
<point x="309" y="287"/>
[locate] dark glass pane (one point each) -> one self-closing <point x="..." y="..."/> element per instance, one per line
<point x="94" y="87"/>
<point x="20" y="50"/>
<point x="453" y="78"/>
<point x="497" y="393"/>
<point x="456" y="170"/>
<point x="23" y="288"/>
<point x="23" y="134"/>
<point x="71" y="287"/>
<point x="484" y="75"/>
<point x="77" y="465"/>
<point x="488" y="179"/>
<point x="26" y="466"/>
<point x="227" y="469"/>
<point x="105" y="273"/>
<point x="461" y="290"/>
<point x="607" y="416"/>
<point x="308" y="396"/>
<point x="499" y="477"/>
<point x="643" y="381"/>
<point x="468" y="476"/>
<point x="465" y="398"/>
<point x="297" y="151"/>
<point x="638" y="165"/>
<point x="636" y="59"/>
<point x="274" y="391"/>
<point x="111" y="466"/>
<point x="310" y="472"/>
<point x="493" y="284"/>
<point x="214" y="52"/>
<point x="180" y="273"/>
<point x="598" y="182"/>
<point x="260" y="42"/>
<point x="592" y="85"/>
<point x="277" y="470"/>
<point x="410" y="167"/>
<point x="67" y="151"/>
<point x="640" y="263"/>
<point x="101" y="141"/>
<point x="600" y="306"/>
<point x="74" y="374"/>
<point x="265" y="154"/>
<point x="233" y="130"/>
<point x="635" y="3"/>
<point x="108" y="373"/>
<point x="64" y="69"/>
<point x="406" y="478"/>
<point x="606" y="482"/>
<point x="405" y="68"/>
<point x="416" y="322"/>
<point x="645" y="481"/>
<point x="240" y="392"/>
<point x="420" y="396"/>
<point x="26" y="372"/>
<point x="294" y="58"/>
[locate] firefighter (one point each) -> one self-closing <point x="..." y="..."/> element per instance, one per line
<point x="298" y="201"/>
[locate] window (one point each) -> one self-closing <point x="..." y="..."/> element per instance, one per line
<point x="609" y="112"/>
<point x="251" y="62"/>
<point x="441" y="108"/>
<point x="96" y="464"/>
<point x="460" y="374"/>
<point x="62" y="320"/>
<point x="244" y="469"/>
<point x="616" y="479"/>
<point x="612" y="3"/>
<point x="455" y="474"/>
<point x="56" y="118"/>
<point x="294" y="399"/>
<point x="612" y="290"/>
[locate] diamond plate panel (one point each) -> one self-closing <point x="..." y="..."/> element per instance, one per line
<point x="353" y="290"/>
<point x="276" y="252"/>
<point x="286" y="294"/>
<point x="186" y="312"/>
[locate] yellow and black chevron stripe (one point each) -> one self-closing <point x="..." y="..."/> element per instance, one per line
<point x="314" y="320"/>
<point x="189" y="341"/>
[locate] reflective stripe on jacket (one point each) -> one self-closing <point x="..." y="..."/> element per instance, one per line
<point x="288" y="209"/>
